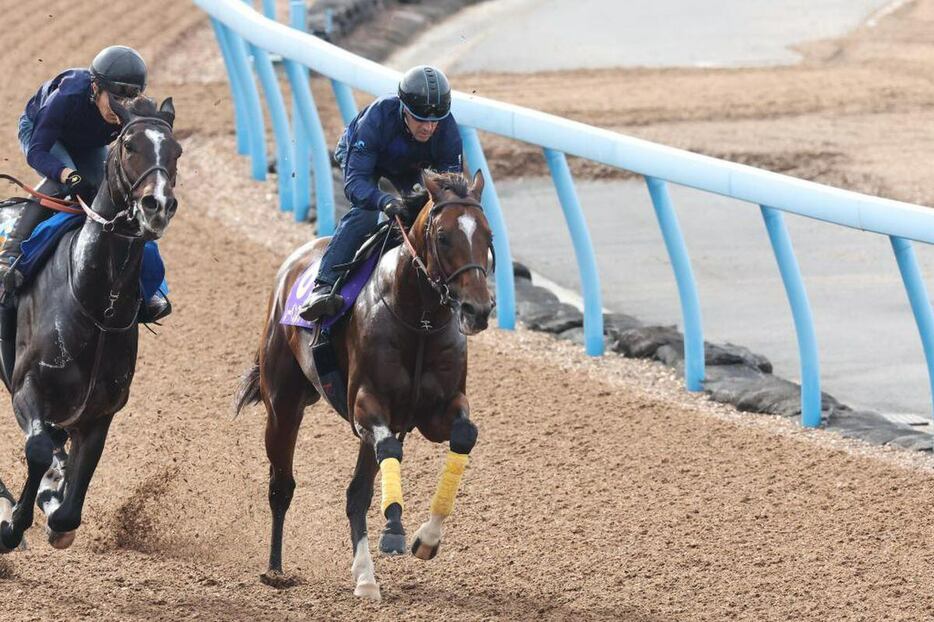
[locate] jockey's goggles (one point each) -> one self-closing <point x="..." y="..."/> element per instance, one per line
<point x="432" y="112"/>
<point x="122" y="90"/>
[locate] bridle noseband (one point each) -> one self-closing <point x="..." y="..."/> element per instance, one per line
<point x="441" y="284"/>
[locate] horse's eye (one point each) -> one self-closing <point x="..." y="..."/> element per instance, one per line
<point x="443" y="239"/>
<point x="128" y="145"/>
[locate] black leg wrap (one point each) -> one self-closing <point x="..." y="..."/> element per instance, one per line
<point x="389" y="447"/>
<point x="392" y="540"/>
<point x="463" y="435"/>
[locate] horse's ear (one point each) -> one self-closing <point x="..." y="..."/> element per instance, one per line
<point x="167" y="110"/>
<point x="476" y="186"/>
<point x="430" y="182"/>
<point x="116" y="104"/>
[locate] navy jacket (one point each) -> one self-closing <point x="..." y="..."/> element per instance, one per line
<point x="62" y="111"/>
<point x="379" y="144"/>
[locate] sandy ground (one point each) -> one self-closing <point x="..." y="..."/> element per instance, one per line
<point x="598" y="489"/>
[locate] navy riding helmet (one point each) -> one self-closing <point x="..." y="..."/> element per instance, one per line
<point x="119" y="70"/>
<point x="425" y="93"/>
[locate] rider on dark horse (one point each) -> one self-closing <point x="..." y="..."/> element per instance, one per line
<point x="64" y="132"/>
<point x="394" y="138"/>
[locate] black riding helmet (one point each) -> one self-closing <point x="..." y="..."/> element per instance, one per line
<point x="119" y="70"/>
<point x="425" y="93"/>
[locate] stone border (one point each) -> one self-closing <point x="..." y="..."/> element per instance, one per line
<point x="734" y="374"/>
<point x="375" y="28"/>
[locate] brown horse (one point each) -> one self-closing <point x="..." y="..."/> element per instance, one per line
<point x="403" y="352"/>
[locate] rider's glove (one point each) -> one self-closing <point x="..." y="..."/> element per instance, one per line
<point x="77" y="186"/>
<point x="393" y="208"/>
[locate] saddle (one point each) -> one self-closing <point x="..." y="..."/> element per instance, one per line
<point x="354" y="276"/>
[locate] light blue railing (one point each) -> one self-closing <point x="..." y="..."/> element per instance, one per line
<point x="236" y="23"/>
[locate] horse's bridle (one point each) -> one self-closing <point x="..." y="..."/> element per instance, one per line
<point x="126" y="187"/>
<point x="109" y="226"/>
<point x="441" y="284"/>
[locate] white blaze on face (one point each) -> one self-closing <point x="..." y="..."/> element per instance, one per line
<point x="159" y="192"/>
<point x="468" y="225"/>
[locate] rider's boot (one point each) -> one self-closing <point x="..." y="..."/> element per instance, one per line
<point x="323" y="301"/>
<point x="156" y="308"/>
<point x="30" y="217"/>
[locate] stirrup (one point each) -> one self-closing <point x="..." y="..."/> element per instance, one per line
<point x="156" y="308"/>
<point x="320" y="305"/>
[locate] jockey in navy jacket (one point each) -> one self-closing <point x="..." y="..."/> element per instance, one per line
<point x="393" y="138"/>
<point x="379" y="144"/>
<point x="62" y="111"/>
<point x="64" y="132"/>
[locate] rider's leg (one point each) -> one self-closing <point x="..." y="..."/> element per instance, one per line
<point x="351" y="232"/>
<point x="156" y="306"/>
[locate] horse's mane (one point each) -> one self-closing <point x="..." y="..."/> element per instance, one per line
<point x="454" y="182"/>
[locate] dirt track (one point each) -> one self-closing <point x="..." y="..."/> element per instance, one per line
<point x="598" y="489"/>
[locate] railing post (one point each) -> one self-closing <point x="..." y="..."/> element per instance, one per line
<point x="298" y="19"/>
<point x="252" y="108"/>
<point x="311" y="122"/>
<point x="505" y="282"/>
<point x="694" y="369"/>
<point x="583" y="250"/>
<point x="918" y="298"/>
<point x="345" y="101"/>
<point x="236" y="90"/>
<point x="280" y="121"/>
<point x="801" y="312"/>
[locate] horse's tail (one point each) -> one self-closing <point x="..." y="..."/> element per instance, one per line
<point x="249" y="387"/>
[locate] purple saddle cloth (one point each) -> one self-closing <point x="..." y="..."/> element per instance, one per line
<point x="351" y="288"/>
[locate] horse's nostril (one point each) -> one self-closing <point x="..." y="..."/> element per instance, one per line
<point x="170" y="206"/>
<point x="148" y="203"/>
<point x="468" y="309"/>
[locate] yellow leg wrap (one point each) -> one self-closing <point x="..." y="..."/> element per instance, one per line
<point x="392" y="482"/>
<point x="443" y="501"/>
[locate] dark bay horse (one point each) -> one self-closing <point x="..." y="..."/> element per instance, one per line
<point x="77" y="332"/>
<point x="404" y="354"/>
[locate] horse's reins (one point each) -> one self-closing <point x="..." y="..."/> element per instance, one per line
<point x="45" y="200"/>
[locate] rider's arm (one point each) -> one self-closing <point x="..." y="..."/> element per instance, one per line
<point x="360" y="183"/>
<point x="50" y="120"/>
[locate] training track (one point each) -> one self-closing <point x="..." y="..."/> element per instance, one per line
<point x="598" y="489"/>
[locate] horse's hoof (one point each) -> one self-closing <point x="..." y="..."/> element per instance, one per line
<point x="62" y="539"/>
<point x="278" y="580"/>
<point x="367" y="590"/>
<point x="392" y="544"/>
<point x="5" y="545"/>
<point x="424" y="551"/>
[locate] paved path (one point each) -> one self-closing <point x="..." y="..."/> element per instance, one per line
<point x="537" y="35"/>
<point x="870" y="350"/>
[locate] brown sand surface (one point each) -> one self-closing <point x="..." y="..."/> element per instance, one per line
<point x="598" y="489"/>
